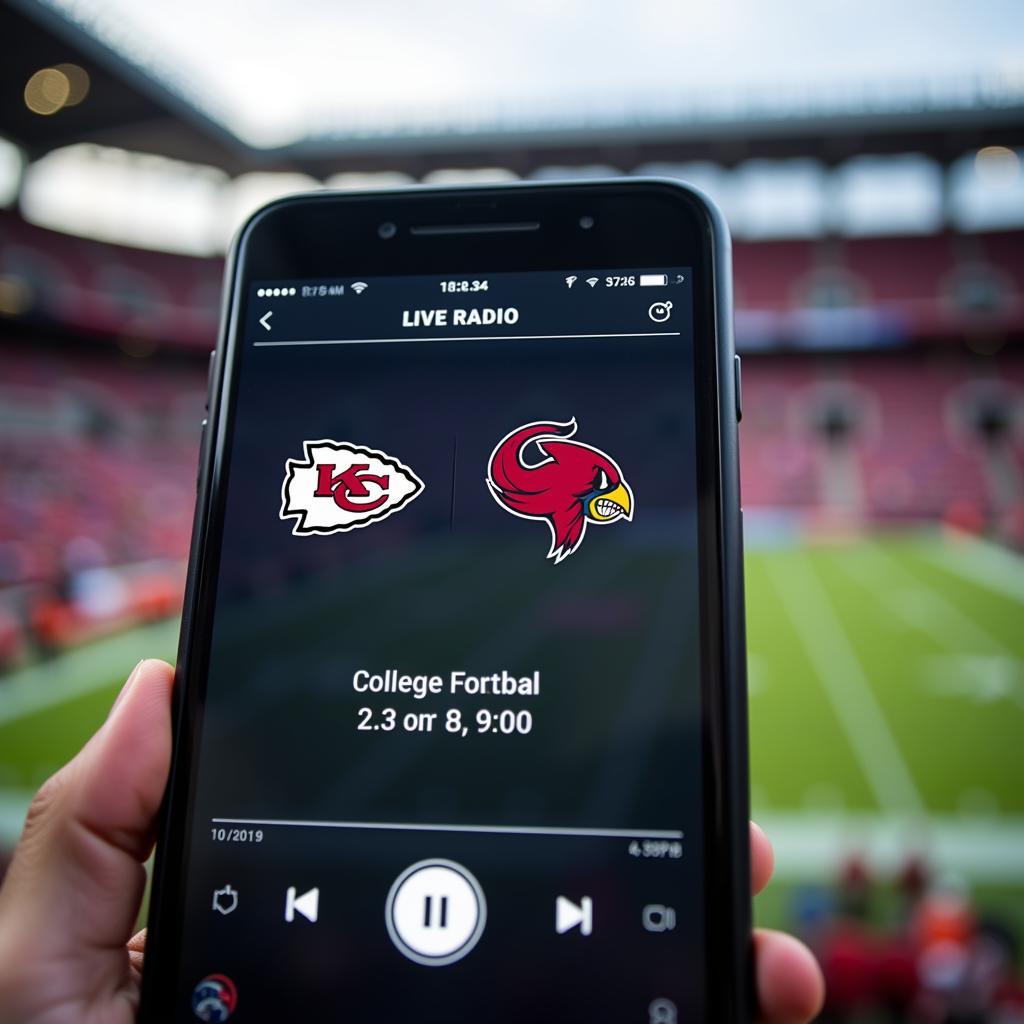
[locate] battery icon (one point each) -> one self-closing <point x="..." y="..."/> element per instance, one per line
<point x="653" y="280"/>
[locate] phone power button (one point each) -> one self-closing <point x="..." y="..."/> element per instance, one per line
<point x="209" y="378"/>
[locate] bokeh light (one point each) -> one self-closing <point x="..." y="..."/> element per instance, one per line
<point x="47" y="91"/>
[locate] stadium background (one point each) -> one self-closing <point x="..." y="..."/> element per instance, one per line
<point x="879" y="264"/>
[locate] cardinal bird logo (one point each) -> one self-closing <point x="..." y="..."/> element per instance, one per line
<point x="572" y="484"/>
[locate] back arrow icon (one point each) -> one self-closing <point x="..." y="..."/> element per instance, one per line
<point x="266" y="316"/>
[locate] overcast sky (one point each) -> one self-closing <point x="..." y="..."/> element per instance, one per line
<point x="275" y="72"/>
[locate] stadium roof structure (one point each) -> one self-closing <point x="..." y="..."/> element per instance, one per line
<point x="141" y="99"/>
<point x="126" y="107"/>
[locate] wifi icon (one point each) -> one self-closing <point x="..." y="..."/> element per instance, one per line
<point x="592" y="281"/>
<point x="359" y="287"/>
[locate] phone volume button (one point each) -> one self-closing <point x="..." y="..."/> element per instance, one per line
<point x="738" y="386"/>
<point x="202" y="449"/>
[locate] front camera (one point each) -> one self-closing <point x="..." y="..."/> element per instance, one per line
<point x="586" y="223"/>
<point x="387" y="230"/>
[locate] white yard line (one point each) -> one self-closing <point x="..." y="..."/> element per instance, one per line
<point x="845" y="683"/>
<point x="40" y="694"/>
<point x="918" y="603"/>
<point x="812" y="846"/>
<point x="75" y="673"/>
<point x="977" y="665"/>
<point x="979" y="561"/>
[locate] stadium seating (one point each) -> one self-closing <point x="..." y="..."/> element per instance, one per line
<point x="94" y="452"/>
<point x="801" y="293"/>
<point x="97" y="463"/>
<point x="883" y="378"/>
<point x="917" y="451"/>
<point x="108" y="291"/>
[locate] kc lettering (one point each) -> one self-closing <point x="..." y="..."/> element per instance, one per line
<point x="349" y="488"/>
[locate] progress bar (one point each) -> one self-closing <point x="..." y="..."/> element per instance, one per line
<point x="478" y="337"/>
<point x="516" y="830"/>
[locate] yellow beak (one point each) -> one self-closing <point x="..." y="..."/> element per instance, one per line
<point x="606" y="507"/>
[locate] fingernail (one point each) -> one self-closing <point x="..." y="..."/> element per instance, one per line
<point x="124" y="689"/>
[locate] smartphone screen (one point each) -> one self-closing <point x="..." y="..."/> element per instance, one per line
<point x="451" y="757"/>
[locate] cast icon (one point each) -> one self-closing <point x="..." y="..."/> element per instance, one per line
<point x="571" y="485"/>
<point x="658" y="918"/>
<point x="340" y="486"/>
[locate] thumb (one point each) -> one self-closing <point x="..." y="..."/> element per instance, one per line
<point x="73" y="889"/>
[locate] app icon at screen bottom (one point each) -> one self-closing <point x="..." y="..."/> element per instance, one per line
<point x="214" y="998"/>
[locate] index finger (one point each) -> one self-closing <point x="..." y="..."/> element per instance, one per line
<point x="762" y="859"/>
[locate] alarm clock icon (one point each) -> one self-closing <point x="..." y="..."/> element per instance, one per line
<point x="660" y="311"/>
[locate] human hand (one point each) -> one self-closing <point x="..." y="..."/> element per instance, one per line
<point x="790" y="987"/>
<point x="72" y="893"/>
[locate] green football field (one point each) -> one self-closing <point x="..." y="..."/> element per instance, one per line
<point x="887" y="709"/>
<point x="886" y="701"/>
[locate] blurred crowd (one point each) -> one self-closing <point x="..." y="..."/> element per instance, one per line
<point x="97" y="469"/>
<point x="912" y="948"/>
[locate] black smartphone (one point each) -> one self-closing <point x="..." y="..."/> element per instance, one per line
<point x="460" y="727"/>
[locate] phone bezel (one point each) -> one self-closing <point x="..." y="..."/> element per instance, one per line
<point x="635" y="222"/>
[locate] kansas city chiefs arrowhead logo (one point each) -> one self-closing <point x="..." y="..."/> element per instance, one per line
<point x="341" y="486"/>
<point x="570" y="485"/>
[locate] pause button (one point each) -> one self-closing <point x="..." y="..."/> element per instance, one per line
<point x="435" y="912"/>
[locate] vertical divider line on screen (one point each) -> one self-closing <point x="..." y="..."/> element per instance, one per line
<point x="455" y="464"/>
